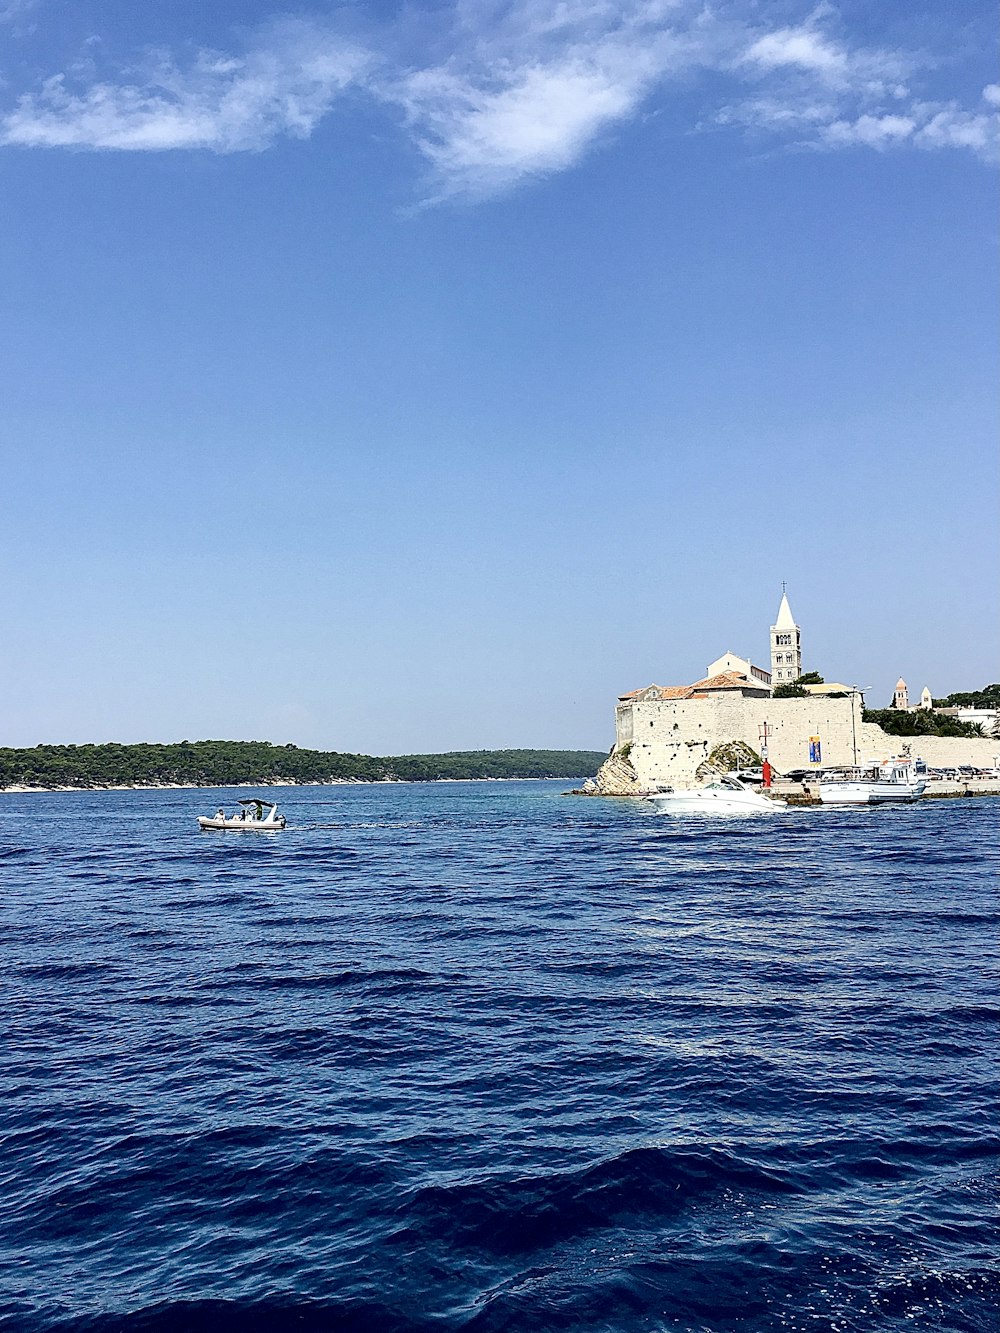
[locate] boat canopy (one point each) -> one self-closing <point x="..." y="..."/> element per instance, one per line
<point x="256" y="800"/>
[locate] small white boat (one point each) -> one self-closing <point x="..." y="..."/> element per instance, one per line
<point x="254" y="816"/>
<point x="725" y="795"/>
<point x="892" y="780"/>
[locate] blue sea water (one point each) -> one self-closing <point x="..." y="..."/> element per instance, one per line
<point x="485" y="1057"/>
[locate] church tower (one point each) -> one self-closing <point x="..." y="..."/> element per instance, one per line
<point x="786" y="645"/>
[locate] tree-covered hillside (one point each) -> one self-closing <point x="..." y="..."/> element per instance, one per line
<point x="988" y="697"/>
<point x="896" y="722"/>
<point x="228" y="763"/>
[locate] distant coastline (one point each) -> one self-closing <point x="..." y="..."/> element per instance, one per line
<point x="284" y="782"/>
<point x="200" y="764"/>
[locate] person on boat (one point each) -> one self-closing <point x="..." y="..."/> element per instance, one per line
<point x="220" y="813"/>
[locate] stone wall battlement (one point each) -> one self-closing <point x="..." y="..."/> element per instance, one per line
<point x="665" y="740"/>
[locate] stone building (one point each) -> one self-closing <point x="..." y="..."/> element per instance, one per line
<point x="986" y="719"/>
<point x="786" y="646"/>
<point x="786" y="654"/>
<point x="664" y="734"/>
<point x="741" y="665"/>
<point x="901" y="698"/>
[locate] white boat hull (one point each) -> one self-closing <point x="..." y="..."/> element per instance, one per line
<point x="242" y="825"/>
<point x="845" y="793"/>
<point x="869" y="793"/>
<point x="897" y="791"/>
<point x="713" y="803"/>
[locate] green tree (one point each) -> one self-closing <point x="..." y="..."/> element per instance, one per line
<point x="922" y="722"/>
<point x="988" y="697"/>
<point x="228" y="763"/>
<point x="795" y="689"/>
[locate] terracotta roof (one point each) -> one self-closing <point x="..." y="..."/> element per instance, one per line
<point x="728" y="680"/>
<point x="660" y="692"/>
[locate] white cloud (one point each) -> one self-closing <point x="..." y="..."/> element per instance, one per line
<point x="225" y="103"/>
<point x="926" y="125"/>
<point x="953" y="127"/>
<point x="495" y="92"/>
<point x="779" y="115"/>
<point x="531" y="95"/>
<point x="802" y="48"/>
<point x="11" y="11"/>
<point x="825" y="93"/>
<point x="479" y="140"/>
<point x="808" y="55"/>
<point x="873" y="131"/>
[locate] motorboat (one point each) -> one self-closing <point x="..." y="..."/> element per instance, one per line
<point x="724" y="795"/>
<point x="253" y="816"/>
<point x="891" y="780"/>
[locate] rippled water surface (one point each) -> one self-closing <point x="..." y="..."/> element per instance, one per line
<point x="486" y="1057"/>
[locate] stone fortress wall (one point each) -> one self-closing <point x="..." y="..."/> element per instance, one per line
<point x="662" y="736"/>
<point x="670" y="738"/>
<point x="938" y="751"/>
<point x="662" y="742"/>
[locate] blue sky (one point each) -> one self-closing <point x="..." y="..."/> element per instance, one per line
<point x="398" y="378"/>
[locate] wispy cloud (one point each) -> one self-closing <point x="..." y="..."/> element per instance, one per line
<point x="928" y="125"/>
<point x="12" y="11"/>
<point x="810" y="51"/>
<point x="531" y="93"/>
<point x="491" y="94"/>
<point x="284" y="85"/>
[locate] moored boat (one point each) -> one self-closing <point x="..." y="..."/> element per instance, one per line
<point x="254" y="816"/>
<point x="892" y="780"/>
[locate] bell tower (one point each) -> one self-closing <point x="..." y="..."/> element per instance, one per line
<point x="786" y="645"/>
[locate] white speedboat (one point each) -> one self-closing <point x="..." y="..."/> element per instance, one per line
<point x="725" y="795"/>
<point x="892" y="780"/>
<point x="253" y="816"/>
